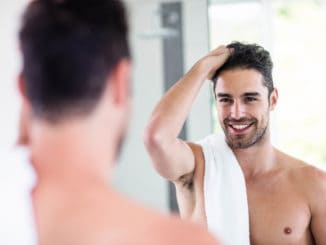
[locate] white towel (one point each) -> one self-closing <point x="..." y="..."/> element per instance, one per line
<point x="17" y="179"/>
<point x="226" y="203"/>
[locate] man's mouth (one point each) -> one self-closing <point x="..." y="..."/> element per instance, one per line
<point x="240" y="128"/>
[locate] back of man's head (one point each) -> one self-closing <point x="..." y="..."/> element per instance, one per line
<point x="248" y="56"/>
<point x="69" y="49"/>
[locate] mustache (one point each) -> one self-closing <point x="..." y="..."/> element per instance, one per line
<point x="240" y="120"/>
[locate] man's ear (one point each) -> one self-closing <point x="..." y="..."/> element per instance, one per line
<point x="273" y="98"/>
<point x="25" y="114"/>
<point x="22" y="91"/>
<point x="120" y="79"/>
<point x="21" y="87"/>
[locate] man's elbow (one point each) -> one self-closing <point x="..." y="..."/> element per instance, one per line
<point x="152" y="138"/>
<point x="154" y="144"/>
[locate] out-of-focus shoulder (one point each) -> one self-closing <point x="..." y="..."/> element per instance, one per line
<point x="161" y="228"/>
<point x="177" y="231"/>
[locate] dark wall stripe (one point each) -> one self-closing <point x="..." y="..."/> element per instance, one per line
<point x="173" y="64"/>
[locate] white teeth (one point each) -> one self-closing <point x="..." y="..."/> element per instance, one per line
<point x="240" y="126"/>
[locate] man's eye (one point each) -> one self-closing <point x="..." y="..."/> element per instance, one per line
<point x="224" y="100"/>
<point x="250" y="99"/>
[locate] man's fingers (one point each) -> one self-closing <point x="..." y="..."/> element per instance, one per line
<point x="219" y="50"/>
<point x="230" y="50"/>
<point x="217" y="60"/>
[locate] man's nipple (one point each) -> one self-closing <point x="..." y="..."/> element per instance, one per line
<point x="287" y="230"/>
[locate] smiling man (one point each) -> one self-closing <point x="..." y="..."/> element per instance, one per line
<point x="283" y="197"/>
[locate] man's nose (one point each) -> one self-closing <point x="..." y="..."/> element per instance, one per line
<point x="237" y="110"/>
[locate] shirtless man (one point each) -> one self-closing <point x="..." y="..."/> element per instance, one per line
<point x="76" y="105"/>
<point x="286" y="197"/>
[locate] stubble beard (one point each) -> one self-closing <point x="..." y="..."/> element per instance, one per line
<point x="244" y="141"/>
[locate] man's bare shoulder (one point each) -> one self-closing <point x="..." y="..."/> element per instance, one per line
<point x="310" y="178"/>
<point x="173" y="230"/>
<point x="114" y="219"/>
<point x="152" y="227"/>
<point x="314" y="180"/>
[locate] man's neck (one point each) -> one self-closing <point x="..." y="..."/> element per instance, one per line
<point x="257" y="159"/>
<point x="71" y="154"/>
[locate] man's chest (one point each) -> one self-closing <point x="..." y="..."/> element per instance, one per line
<point x="278" y="215"/>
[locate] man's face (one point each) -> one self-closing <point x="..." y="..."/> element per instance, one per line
<point x="243" y="107"/>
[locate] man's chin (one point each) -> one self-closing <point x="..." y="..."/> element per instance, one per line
<point x="236" y="145"/>
<point x="244" y="141"/>
<point x="240" y="145"/>
<point x="239" y="141"/>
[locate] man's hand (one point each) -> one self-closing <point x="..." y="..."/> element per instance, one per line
<point x="214" y="60"/>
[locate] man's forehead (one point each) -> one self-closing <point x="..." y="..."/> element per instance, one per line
<point x="240" y="81"/>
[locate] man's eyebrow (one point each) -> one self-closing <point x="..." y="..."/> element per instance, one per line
<point x="251" y="94"/>
<point x="223" y="95"/>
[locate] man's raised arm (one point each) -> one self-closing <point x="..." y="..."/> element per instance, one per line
<point x="172" y="157"/>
